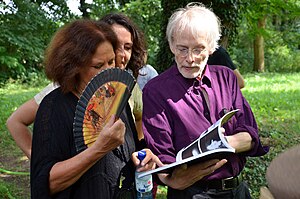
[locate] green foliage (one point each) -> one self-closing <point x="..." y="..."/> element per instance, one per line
<point x="282" y="59"/>
<point x="230" y="14"/>
<point x="280" y="9"/>
<point x="9" y="190"/>
<point x="285" y="89"/>
<point x="273" y="98"/>
<point x="12" y="95"/>
<point x="27" y="26"/>
<point x="26" y="29"/>
<point x="4" y="192"/>
<point x="161" y="192"/>
<point x="99" y="8"/>
<point x="25" y="32"/>
<point x="164" y="57"/>
<point x="281" y="35"/>
<point x="277" y="58"/>
<point x="146" y="14"/>
<point x="55" y="10"/>
<point x="13" y="67"/>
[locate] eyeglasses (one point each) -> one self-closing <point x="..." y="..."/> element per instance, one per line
<point x="196" y="52"/>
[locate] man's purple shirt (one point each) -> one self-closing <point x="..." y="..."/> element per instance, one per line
<point x="175" y="114"/>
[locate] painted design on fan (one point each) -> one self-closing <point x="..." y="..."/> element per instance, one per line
<point x="101" y="106"/>
<point x="110" y="90"/>
<point x="96" y="112"/>
<point x="93" y="116"/>
<point x="105" y="95"/>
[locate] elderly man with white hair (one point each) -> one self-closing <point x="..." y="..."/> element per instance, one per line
<point x="189" y="97"/>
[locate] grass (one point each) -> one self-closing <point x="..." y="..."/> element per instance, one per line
<point x="274" y="99"/>
<point x="11" y="157"/>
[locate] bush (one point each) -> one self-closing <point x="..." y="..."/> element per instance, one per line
<point x="282" y="59"/>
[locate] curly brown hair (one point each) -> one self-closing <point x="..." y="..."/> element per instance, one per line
<point x="139" y="44"/>
<point x="72" y="48"/>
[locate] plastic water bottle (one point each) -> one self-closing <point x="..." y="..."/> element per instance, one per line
<point x="143" y="185"/>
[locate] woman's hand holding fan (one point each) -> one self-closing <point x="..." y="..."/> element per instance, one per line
<point x="105" y="95"/>
<point x="111" y="136"/>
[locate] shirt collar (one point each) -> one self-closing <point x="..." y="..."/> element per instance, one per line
<point x="206" y="78"/>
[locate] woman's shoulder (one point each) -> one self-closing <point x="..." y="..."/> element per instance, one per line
<point x="40" y="96"/>
<point x="57" y="101"/>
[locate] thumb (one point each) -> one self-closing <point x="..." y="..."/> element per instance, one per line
<point x="222" y="130"/>
<point x="158" y="162"/>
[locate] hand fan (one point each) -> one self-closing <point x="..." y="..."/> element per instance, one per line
<point x="106" y="94"/>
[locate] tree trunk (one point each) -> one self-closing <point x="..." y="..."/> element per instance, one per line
<point x="164" y="57"/>
<point x="224" y="41"/>
<point x="83" y="8"/>
<point x="259" y="59"/>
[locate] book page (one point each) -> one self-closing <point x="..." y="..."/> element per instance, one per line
<point x="212" y="141"/>
<point x="211" y="144"/>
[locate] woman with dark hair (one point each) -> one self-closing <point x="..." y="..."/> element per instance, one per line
<point x="77" y="52"/>
<point x="129" y="55"/>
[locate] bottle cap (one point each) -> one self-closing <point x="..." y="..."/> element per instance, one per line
<point x="141" y="155"/>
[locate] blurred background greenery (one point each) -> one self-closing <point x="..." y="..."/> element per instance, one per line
<point x="262" y="37"/>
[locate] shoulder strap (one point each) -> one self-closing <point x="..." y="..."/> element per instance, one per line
<point x="205" y="95"/>
<point x="206" y="104"/>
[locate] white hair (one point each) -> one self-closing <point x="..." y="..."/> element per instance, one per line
<point x="201" y="21"/>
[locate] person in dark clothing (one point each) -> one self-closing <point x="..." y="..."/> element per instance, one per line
<point x="222" y="58"/>
<point x="77" y="52"/>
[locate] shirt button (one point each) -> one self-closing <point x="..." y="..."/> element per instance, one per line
<point x="235" y="170"/>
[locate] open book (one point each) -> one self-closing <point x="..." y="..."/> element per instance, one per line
<point x="210" y="145"/>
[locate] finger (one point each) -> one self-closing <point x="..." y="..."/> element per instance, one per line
<point x="149" y="156"/>
<point x="208" y="163"/>
<point x="222" y="130"/>
<point x="153" y="166"/>
<point x="147" y="167"/>
<point x="111" y="121"/>
<point x="216" y="166"/>
<point x="220" y="164"/>
<point x="157" y="161"/>
<point x="154" y="158"/>
<point x="145" y="162"/>
<point x="184" y="167"/>
<point x="134" y="157"/>
<point x="207" y="171"/>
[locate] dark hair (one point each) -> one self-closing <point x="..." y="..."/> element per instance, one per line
<point x="139" y="45"/>
<point x="72" y="48"/>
